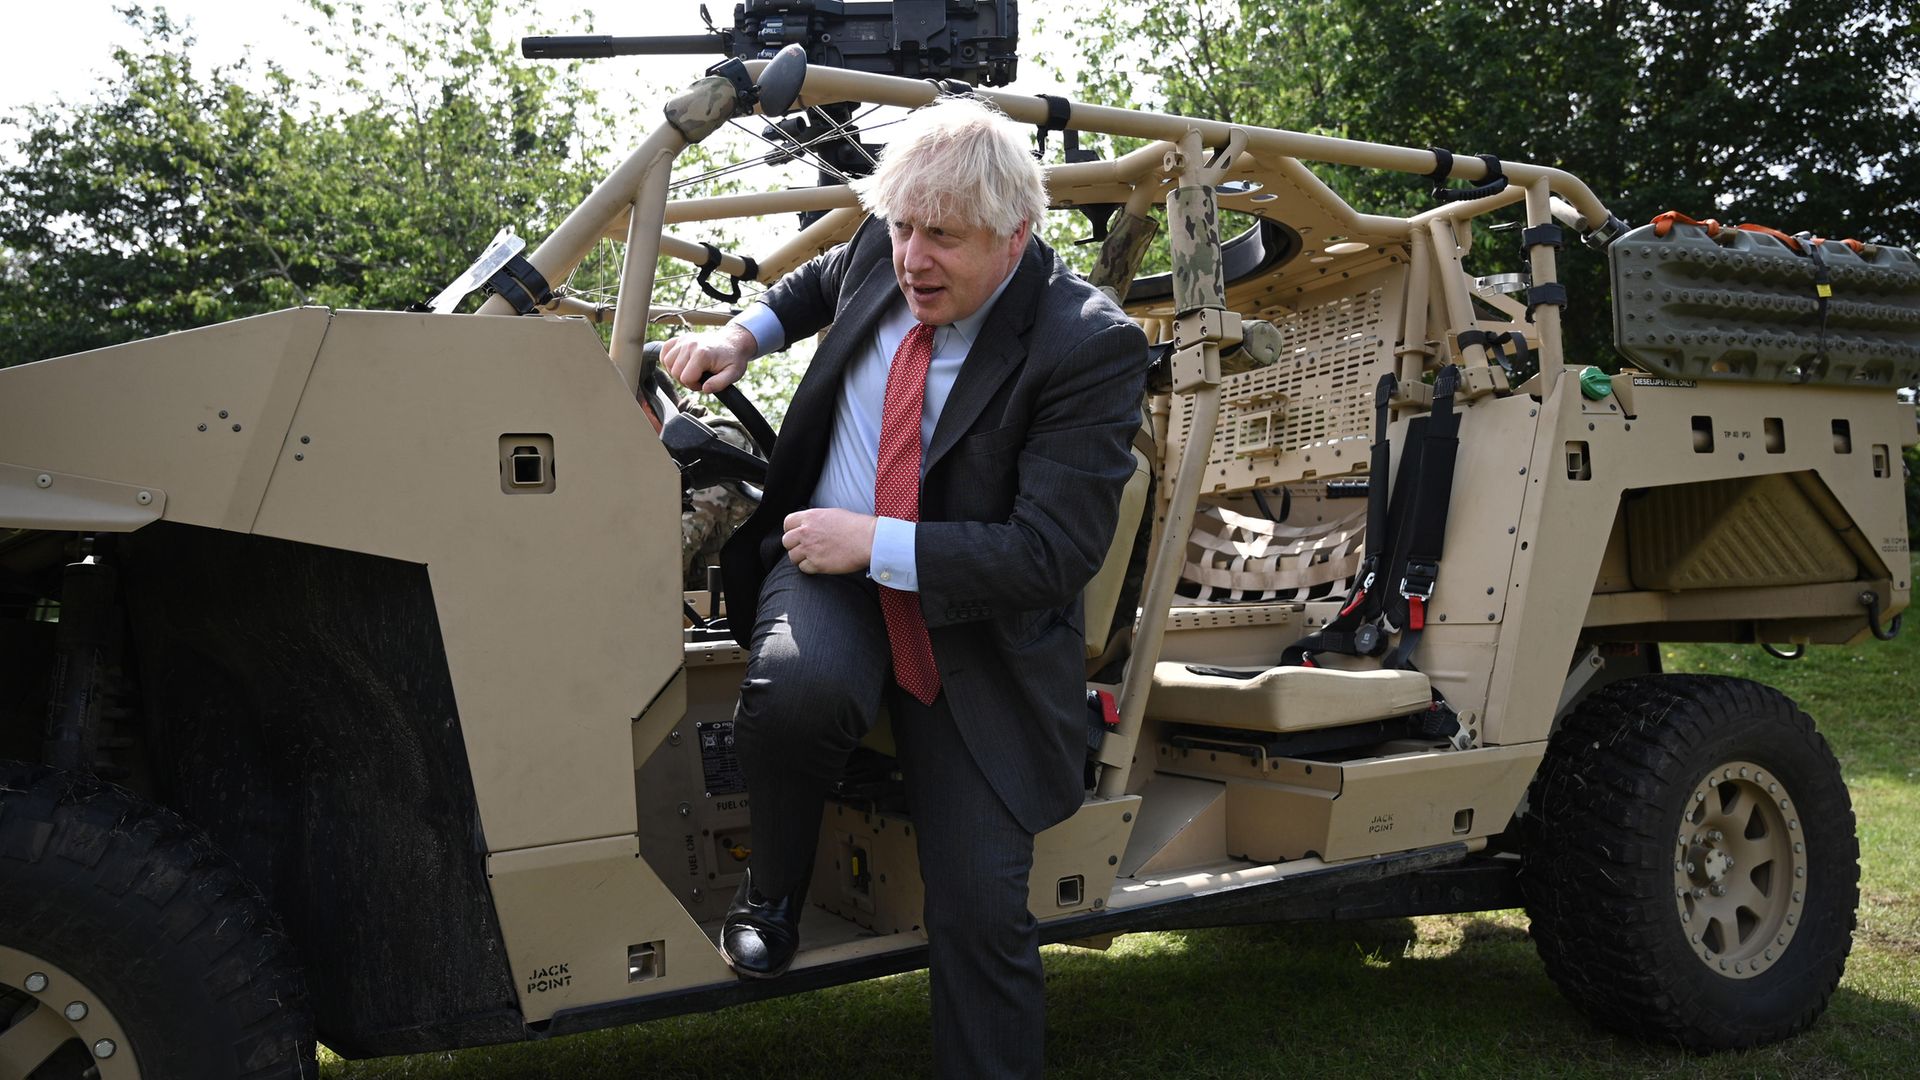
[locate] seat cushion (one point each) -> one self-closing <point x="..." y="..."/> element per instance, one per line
<point x="1284" y="698"/>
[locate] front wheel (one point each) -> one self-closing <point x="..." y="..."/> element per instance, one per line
<point x="1691" y="869"/>
<point x="131" y="948"/>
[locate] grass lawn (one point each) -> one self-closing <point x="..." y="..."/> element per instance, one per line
<point x="1442" y="996"/>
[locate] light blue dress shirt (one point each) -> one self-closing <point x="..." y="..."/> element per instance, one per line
<point x="846" y="482"/>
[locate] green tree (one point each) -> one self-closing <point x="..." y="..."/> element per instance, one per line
<point x="455" y="138"/>
<point x="178" y="197"/>
<point x="118" y="221"/>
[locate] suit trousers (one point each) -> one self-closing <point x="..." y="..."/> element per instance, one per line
<point x="819" y="668"/>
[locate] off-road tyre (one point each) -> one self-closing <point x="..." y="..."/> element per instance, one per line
<point x="1621" y="897"/>
<point x="158" y="928"/>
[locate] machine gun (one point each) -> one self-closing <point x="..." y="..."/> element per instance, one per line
<point x="970" y="41"/>
<point x="973" y="41"/>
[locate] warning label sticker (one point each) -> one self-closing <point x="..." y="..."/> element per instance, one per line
<point x="1655" y="380"/>
<point x="719" y="765"/>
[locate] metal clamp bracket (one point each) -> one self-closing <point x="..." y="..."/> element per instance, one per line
<point x="1196" y="366"/>
<point x="1218" y="325"/>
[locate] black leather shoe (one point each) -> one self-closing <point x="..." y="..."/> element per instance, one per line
<point x="760" y="936"/>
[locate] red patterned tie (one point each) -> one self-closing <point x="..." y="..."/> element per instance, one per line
<point x="896" y="494"/>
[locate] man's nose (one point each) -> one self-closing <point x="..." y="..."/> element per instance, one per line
<point x="916" y="257"/>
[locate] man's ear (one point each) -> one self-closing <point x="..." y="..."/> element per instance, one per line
<point x="1017" y="243"/>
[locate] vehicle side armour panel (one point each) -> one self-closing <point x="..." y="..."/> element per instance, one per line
<point x="300" y="710"/>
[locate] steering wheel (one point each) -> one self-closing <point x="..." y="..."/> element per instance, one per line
<point x="658" y="388"/>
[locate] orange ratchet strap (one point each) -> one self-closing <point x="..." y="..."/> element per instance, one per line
<point x="1663" y="224"/>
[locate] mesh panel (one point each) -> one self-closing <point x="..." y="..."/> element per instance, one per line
<point x="1237" y="558"/>
<point x="1312" y="412"/>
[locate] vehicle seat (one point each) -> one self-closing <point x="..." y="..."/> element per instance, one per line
<point x="1283" y="699"/>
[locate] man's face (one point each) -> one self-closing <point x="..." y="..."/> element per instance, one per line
<point x="946" y="271"/>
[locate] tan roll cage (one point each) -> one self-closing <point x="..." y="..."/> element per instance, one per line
<point x="1270" y="182"/>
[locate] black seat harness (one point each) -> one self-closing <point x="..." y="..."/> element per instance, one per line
<point x="1353" y="631"/>
<point x="1405" y="534"/>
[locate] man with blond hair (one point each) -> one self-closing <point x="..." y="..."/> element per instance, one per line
<point x="946" y="483"/>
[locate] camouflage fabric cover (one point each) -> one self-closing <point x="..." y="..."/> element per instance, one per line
<point x="1121" y="254"/>
<point x="1193" y="231"/>
<point x="704" y="106"/>
<point x="709" y="515"/>
<point x="1260" y="346"/>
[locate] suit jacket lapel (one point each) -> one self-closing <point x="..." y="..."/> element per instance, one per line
<point x="814" y="402"/>
<point x="1000" y="344"/>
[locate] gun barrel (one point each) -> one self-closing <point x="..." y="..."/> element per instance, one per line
<point x="587" y="46"/>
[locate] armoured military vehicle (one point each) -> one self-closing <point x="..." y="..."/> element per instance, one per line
<point x="349" y="689"/>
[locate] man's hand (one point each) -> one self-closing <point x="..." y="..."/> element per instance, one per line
<point x="709" y="362"/>
<point x="828" y="541"/>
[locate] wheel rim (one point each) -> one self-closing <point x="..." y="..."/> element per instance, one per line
<point x="1740" y="869"/>
<point x="46" y="1013"/>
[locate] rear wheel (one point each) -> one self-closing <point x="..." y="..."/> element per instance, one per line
<point x="1691" y="866"/>
<point x="130" y="945"/>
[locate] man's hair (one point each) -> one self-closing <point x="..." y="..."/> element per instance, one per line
<point x="958" y="161"/>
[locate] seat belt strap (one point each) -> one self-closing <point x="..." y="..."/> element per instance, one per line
<point x="1349" y="632"/>
<point x="1426" y="525"/>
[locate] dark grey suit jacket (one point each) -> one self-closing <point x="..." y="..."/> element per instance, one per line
<point x="1019" y="495"/>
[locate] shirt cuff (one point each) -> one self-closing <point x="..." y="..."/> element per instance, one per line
<point x="892" y="562"/>
<point x="760" y="321"/>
